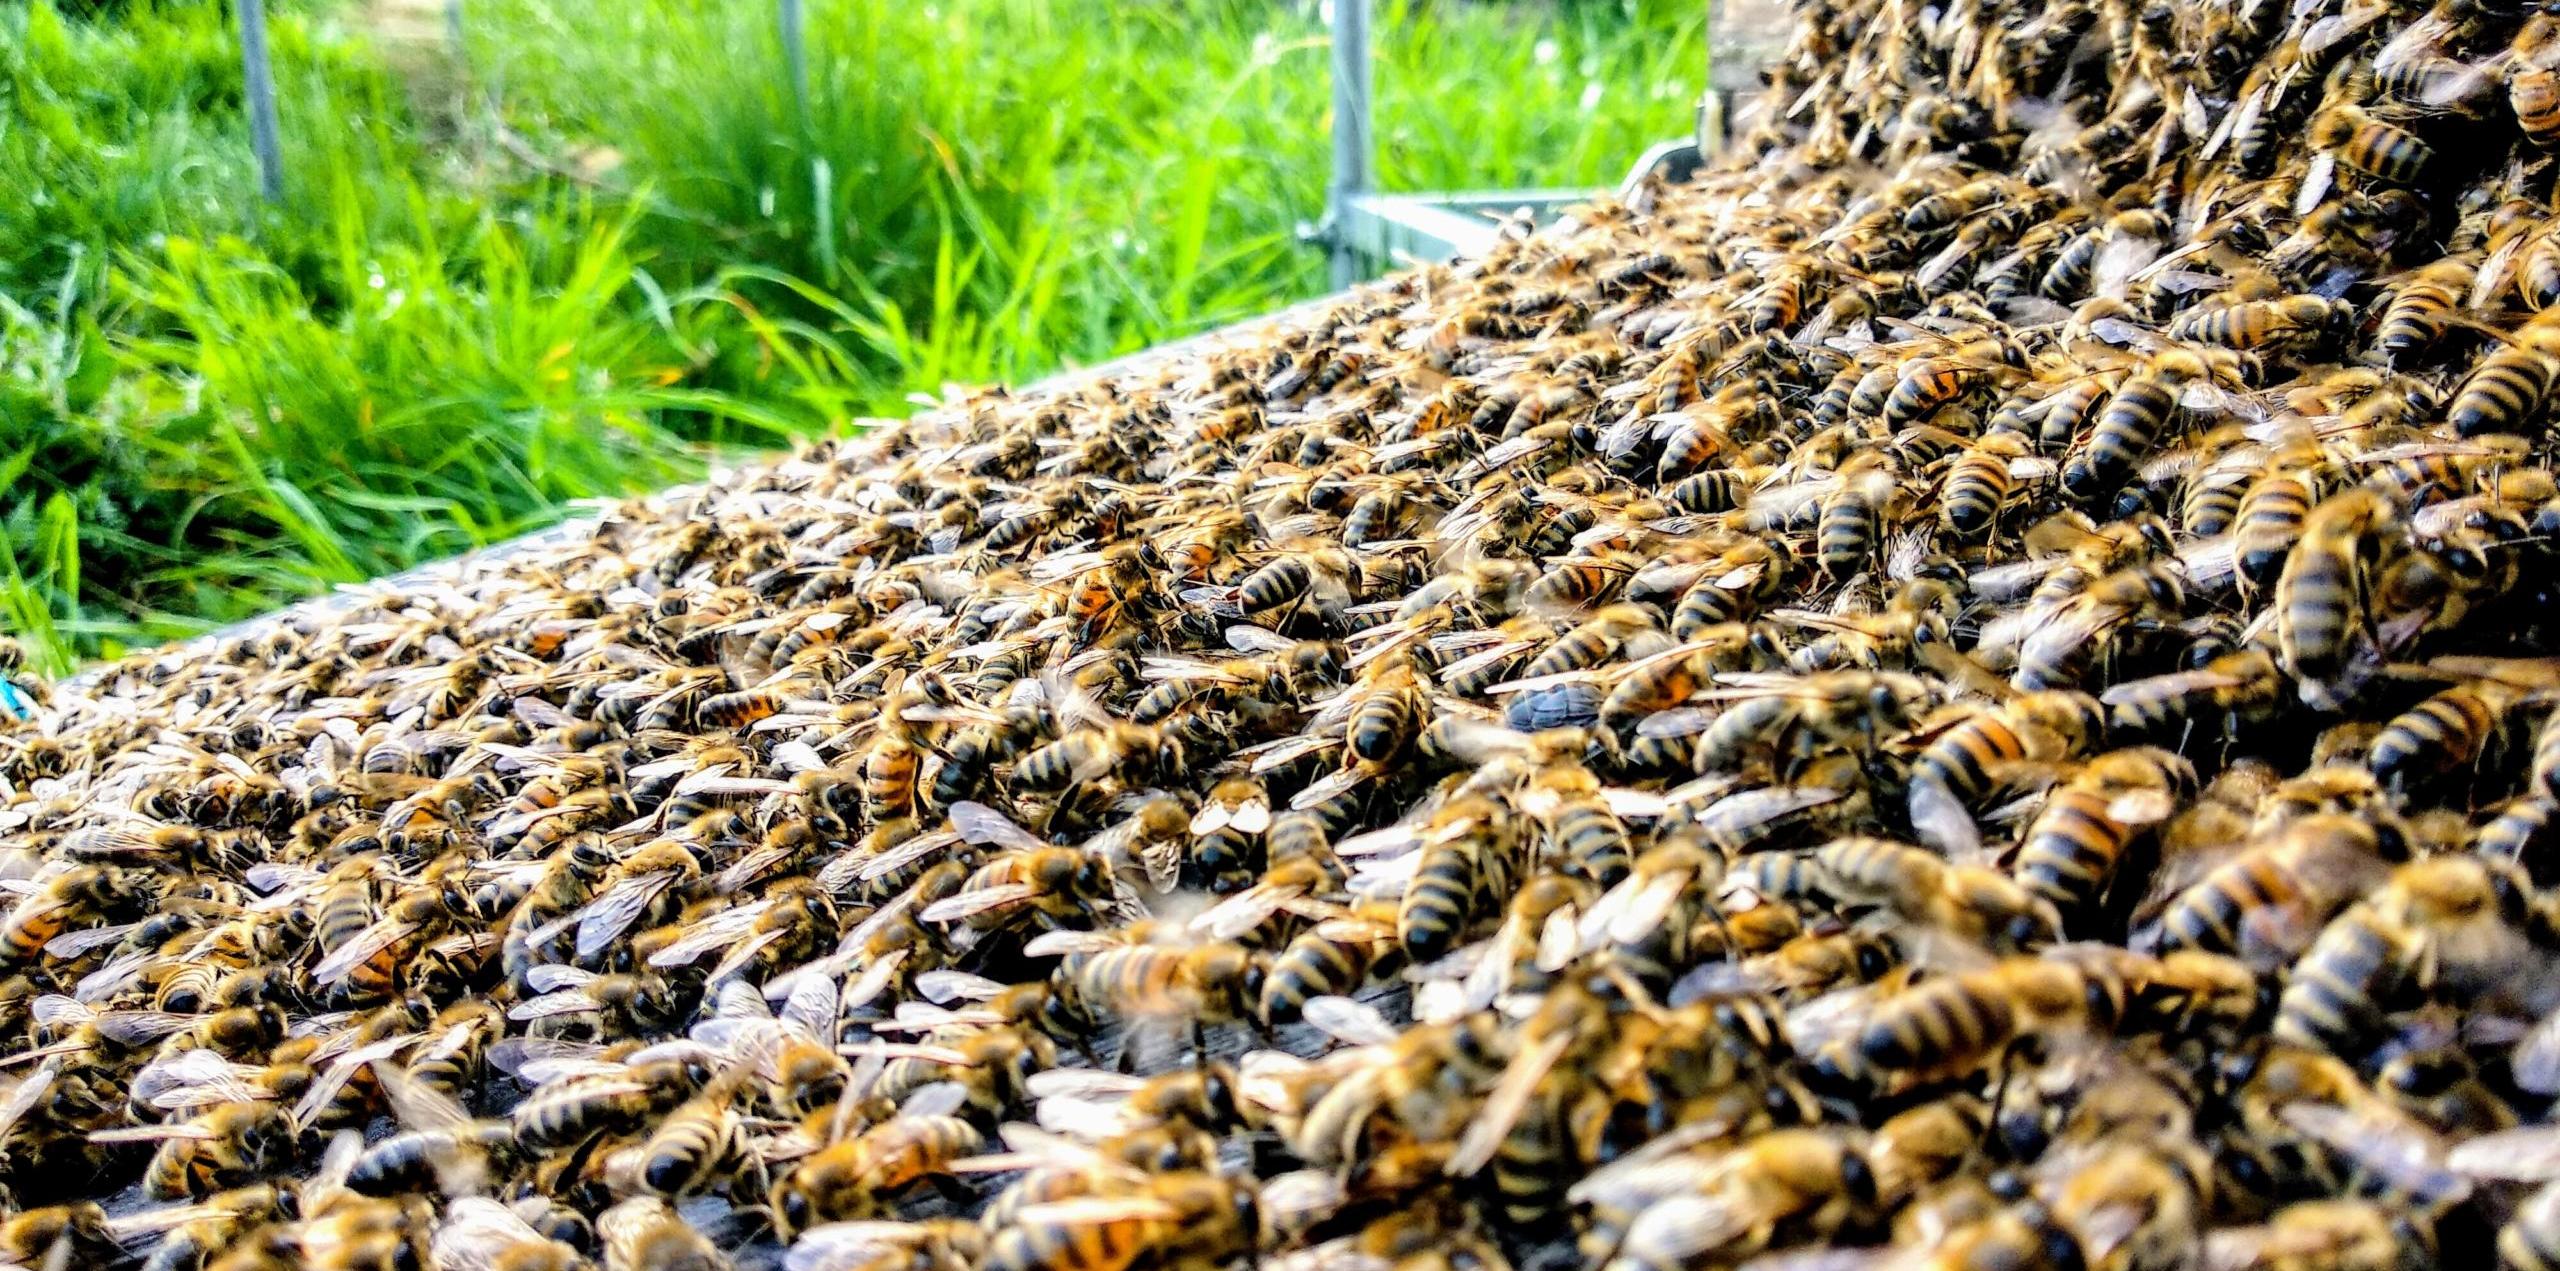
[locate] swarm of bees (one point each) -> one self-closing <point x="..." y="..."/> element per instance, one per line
<point x="1973" y="688"/>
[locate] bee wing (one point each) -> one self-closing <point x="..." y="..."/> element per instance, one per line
<point x="1503" y="1106"/>
<point x="2395" y="1147"/>
<point x="2211" y="564"/>
<point x="1247" y="638"/>
<point x="360" y="949"/>
<point x="30" y="1091"/>
<point x="875" y="980"/>
<point x="479" y="1234"/>
<point x="1330" y="786"/>
<point x="152" y="1133"/>
<point x="1212" y="817"/>
<point x="1244" y="912"/>
<point x="1347" y="1020"/>
<point x="195" y="1079"/>
<point x="342" y="1069"/>
<point x="1774" y="506"/>
<point x="748" y="868"/>
<point x="1679" y="721"/>
<point x="2268" y="1245"/>
<point x="1647" y="906"/>
<point x="1096" y="1211"/>
<point x="136" y="1028"/>
<point x="718" y="931"/>
<point x="271" y="877"/>
<point x="111" y="979"/>
<point x="1631" y="804"/>
<point x="744" y="952"/>
<point x="1941" y="820"/>
<point x="1162" y="668"/>
<point x="2221" y="134"/>
<point x="983" y="825"/>
<point x="957" y="986"/>
<point x="1067" y="940"/>
<point x="1559" y="940"/>
<point x="1081" y="1118"/>
<point x="552" y="976"/>
<point x="130" y="839"/>
<point x="2141" y="807"/>
<point x="2074" y="625"/>
<point x="418" y="1106"/>
<point x="916" y="1017"/>
<point x="72" y="944"/>
<point x="894" y="859"/>
<point x="1063" y="565"/>
<point x="513" y="1055"/>
<point x="1162" y="863"/>
<point x="564" y="1002"/>
<point x="1289" y="750"/>
<point x="725" y="785"/>
<point x="603" y="920"/>
<point x="1093" y="1084"/>
<point x="978" y="900"/>
<point x="1253" y="816"/>
<point x="2527" y="1154"/>
<point x="2536" y="1061"/>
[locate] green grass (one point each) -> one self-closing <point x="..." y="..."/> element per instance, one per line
<point x="610" y="245"/>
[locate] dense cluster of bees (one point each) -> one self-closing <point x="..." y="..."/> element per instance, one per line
<point x="1971" y="689"/>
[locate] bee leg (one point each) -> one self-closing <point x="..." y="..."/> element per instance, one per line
<point x="2003" y="1068"/>
<point x="951" y="1189"/>
<point x="1199" y="1042"/>
<point x="1716" y="916"/>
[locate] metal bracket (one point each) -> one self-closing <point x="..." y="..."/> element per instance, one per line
<point x="1366" y="233"/>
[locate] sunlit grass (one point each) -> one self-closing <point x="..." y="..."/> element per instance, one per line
<point x="612" y="244"/>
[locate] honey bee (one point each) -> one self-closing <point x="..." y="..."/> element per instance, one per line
<point x="1964" y="762"/>
<point x="1330" y="959"/>
<point x="230" y="1145"/>
<point x="1969" y="901"/>
<point x="1175" y="1219"/>
<point x="1091" y="754"/>
<point x="2267" y="901"/>
<point x="1205" y="985"/>
<point x="2417" y="316"/>
<point x="1955" y="1023"/>
<point x="2132" y="420"/>
<point x="77" y="896"/>
<point x="2323" y="595"/>
<point x="1052" y="884"/>
<point x="942" y="1244"/>
<point x="439" y="1147"/>
<point x="1788" y="722"/>
<point x="1979" y="483"/>
<point x="645" y="1232"/>
<point x="2326" y="1233"/>
<point x="1731" y="1205"/>
<point x="2439" y="924"/>
<point x="2071" y="850"/>
<point x="2449" y="731"/>
<point x="2380" y="150"/>
<point x="2137" y="1204"/>
<point x="60" y="1234"/>
<point x="856" y="1178"/>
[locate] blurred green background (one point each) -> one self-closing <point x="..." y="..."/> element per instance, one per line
<point x="600" y="246"/>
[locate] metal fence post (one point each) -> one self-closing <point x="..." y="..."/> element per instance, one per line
<point x="795" y="55"/>
<point x="261" y="87"/>
<point x="1351" y="140"/>
<point x="1711" y="112"/>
